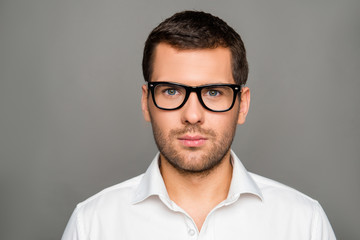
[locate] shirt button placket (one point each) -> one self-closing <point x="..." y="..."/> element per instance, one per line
<point x="191" y="229"/>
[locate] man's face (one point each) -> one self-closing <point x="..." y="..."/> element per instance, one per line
<point x="193" y="139"/>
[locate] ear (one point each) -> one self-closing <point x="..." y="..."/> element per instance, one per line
<point x="144" y="103"/>
<point x="244" y="104"/>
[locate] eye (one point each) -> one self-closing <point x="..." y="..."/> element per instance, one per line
<point x="171" y="91"/>
<point x="213" y="93"/>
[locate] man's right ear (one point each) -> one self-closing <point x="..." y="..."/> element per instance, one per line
<point x="144" y="103"/>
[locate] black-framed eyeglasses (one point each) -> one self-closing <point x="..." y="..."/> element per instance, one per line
<point x="213" y="97"/>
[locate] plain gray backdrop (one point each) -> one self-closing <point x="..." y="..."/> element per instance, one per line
<point x="70" y="116"/>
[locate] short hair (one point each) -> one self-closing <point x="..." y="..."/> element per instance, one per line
<point x="197" y="30"/>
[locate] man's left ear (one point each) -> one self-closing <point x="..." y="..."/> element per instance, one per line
<point x="244" y="104"/>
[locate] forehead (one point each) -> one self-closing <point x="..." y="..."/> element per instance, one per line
<point x="192" y="67"/>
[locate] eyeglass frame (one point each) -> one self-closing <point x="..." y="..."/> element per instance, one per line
<point x="189" y="89"/>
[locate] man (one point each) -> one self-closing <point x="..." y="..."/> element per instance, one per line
<point x="196" y="187"/>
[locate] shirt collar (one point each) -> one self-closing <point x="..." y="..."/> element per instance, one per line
<point x="241" y="181"/>
<point x="152" y="183"/>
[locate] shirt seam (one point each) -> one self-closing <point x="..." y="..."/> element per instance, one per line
<point x="80" y="224"/>
<point x="314" y="221"/>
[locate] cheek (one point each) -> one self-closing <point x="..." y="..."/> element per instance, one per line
<point x="164" y="121"/>
<point x="222" y="120"/>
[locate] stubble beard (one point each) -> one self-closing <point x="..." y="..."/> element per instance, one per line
<point x="188" y="161"/>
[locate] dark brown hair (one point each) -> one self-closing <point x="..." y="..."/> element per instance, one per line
<point x="197" y="30"/>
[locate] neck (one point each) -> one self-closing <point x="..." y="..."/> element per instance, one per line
<point x="197" y="193"/>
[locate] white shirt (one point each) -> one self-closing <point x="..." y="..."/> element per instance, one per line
<point x="256" y="208"/>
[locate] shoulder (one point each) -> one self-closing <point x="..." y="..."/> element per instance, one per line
<point x="276" y="193"/>
<point x="287" y="205"/>
<point x="119" y="194"/>
<point x="103" y="207"/>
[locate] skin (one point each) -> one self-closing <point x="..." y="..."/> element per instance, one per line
<point x="193" y="142"/>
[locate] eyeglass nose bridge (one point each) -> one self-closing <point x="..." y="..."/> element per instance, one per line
<point x="197" y="90"/>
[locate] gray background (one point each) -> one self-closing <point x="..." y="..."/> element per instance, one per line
<point x="70" y="118"/>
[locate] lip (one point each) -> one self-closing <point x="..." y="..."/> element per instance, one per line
<point x="192" y="141"/>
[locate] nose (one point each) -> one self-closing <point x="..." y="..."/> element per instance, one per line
<point x="192" y="111"/>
